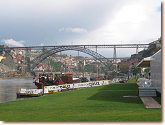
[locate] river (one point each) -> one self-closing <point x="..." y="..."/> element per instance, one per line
<point x="9" y="88"/>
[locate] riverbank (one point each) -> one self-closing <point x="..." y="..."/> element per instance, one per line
<point x="103" y="103"/>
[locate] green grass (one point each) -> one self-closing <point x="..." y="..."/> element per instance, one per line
<point x="104" y="103"/>
<point x="158" y="99"/>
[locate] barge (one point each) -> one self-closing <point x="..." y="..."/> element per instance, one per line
<point x="59" y="78"/>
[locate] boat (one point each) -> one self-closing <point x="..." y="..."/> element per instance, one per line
<point x="47" y="79"/>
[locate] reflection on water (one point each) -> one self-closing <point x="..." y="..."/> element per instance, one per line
<point x="9" y="88"/>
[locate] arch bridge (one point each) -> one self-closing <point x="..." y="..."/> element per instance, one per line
<point x="50" y="52"/>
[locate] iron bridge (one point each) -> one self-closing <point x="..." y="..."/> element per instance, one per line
<point x="50" y="50"/>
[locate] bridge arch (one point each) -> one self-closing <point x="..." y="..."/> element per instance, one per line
<point x="48" y="53"/>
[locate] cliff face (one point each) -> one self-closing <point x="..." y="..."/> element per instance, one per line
<point x="7" y="63"/>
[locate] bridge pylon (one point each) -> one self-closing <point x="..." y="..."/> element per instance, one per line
<point x="137" y="49"/>
<point x="115" y="59"/>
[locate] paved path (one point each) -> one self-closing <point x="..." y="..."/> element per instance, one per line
<point x="149" y="102"/>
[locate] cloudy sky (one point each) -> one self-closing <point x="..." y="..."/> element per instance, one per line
<point x="57" y="22"/>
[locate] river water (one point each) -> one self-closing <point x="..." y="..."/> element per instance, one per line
<point x="9" y="88"/>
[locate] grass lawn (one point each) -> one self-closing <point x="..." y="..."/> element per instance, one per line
<point x="104" y="103"/>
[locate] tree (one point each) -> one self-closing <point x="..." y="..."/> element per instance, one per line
<point x="136" y="70"/>
<point x="103" y="69"/>
<point x="56" y="65"/>
<point x="123" y="67"/>
<point x="91" y="68"/>
<point x="27" y="59"/>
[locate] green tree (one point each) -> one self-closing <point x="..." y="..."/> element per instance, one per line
<point x="136" y="70"/>
<point x="123" y="67"/>
<point x="56" y="65"/>
<point x="27" y="59"/>
<point x="91" y="68"/>
<point x="103" y="69"/>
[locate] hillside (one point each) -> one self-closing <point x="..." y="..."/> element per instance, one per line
<point x="154" y="47"/>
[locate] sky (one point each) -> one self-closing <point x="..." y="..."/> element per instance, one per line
<point x="68" y="22"/>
